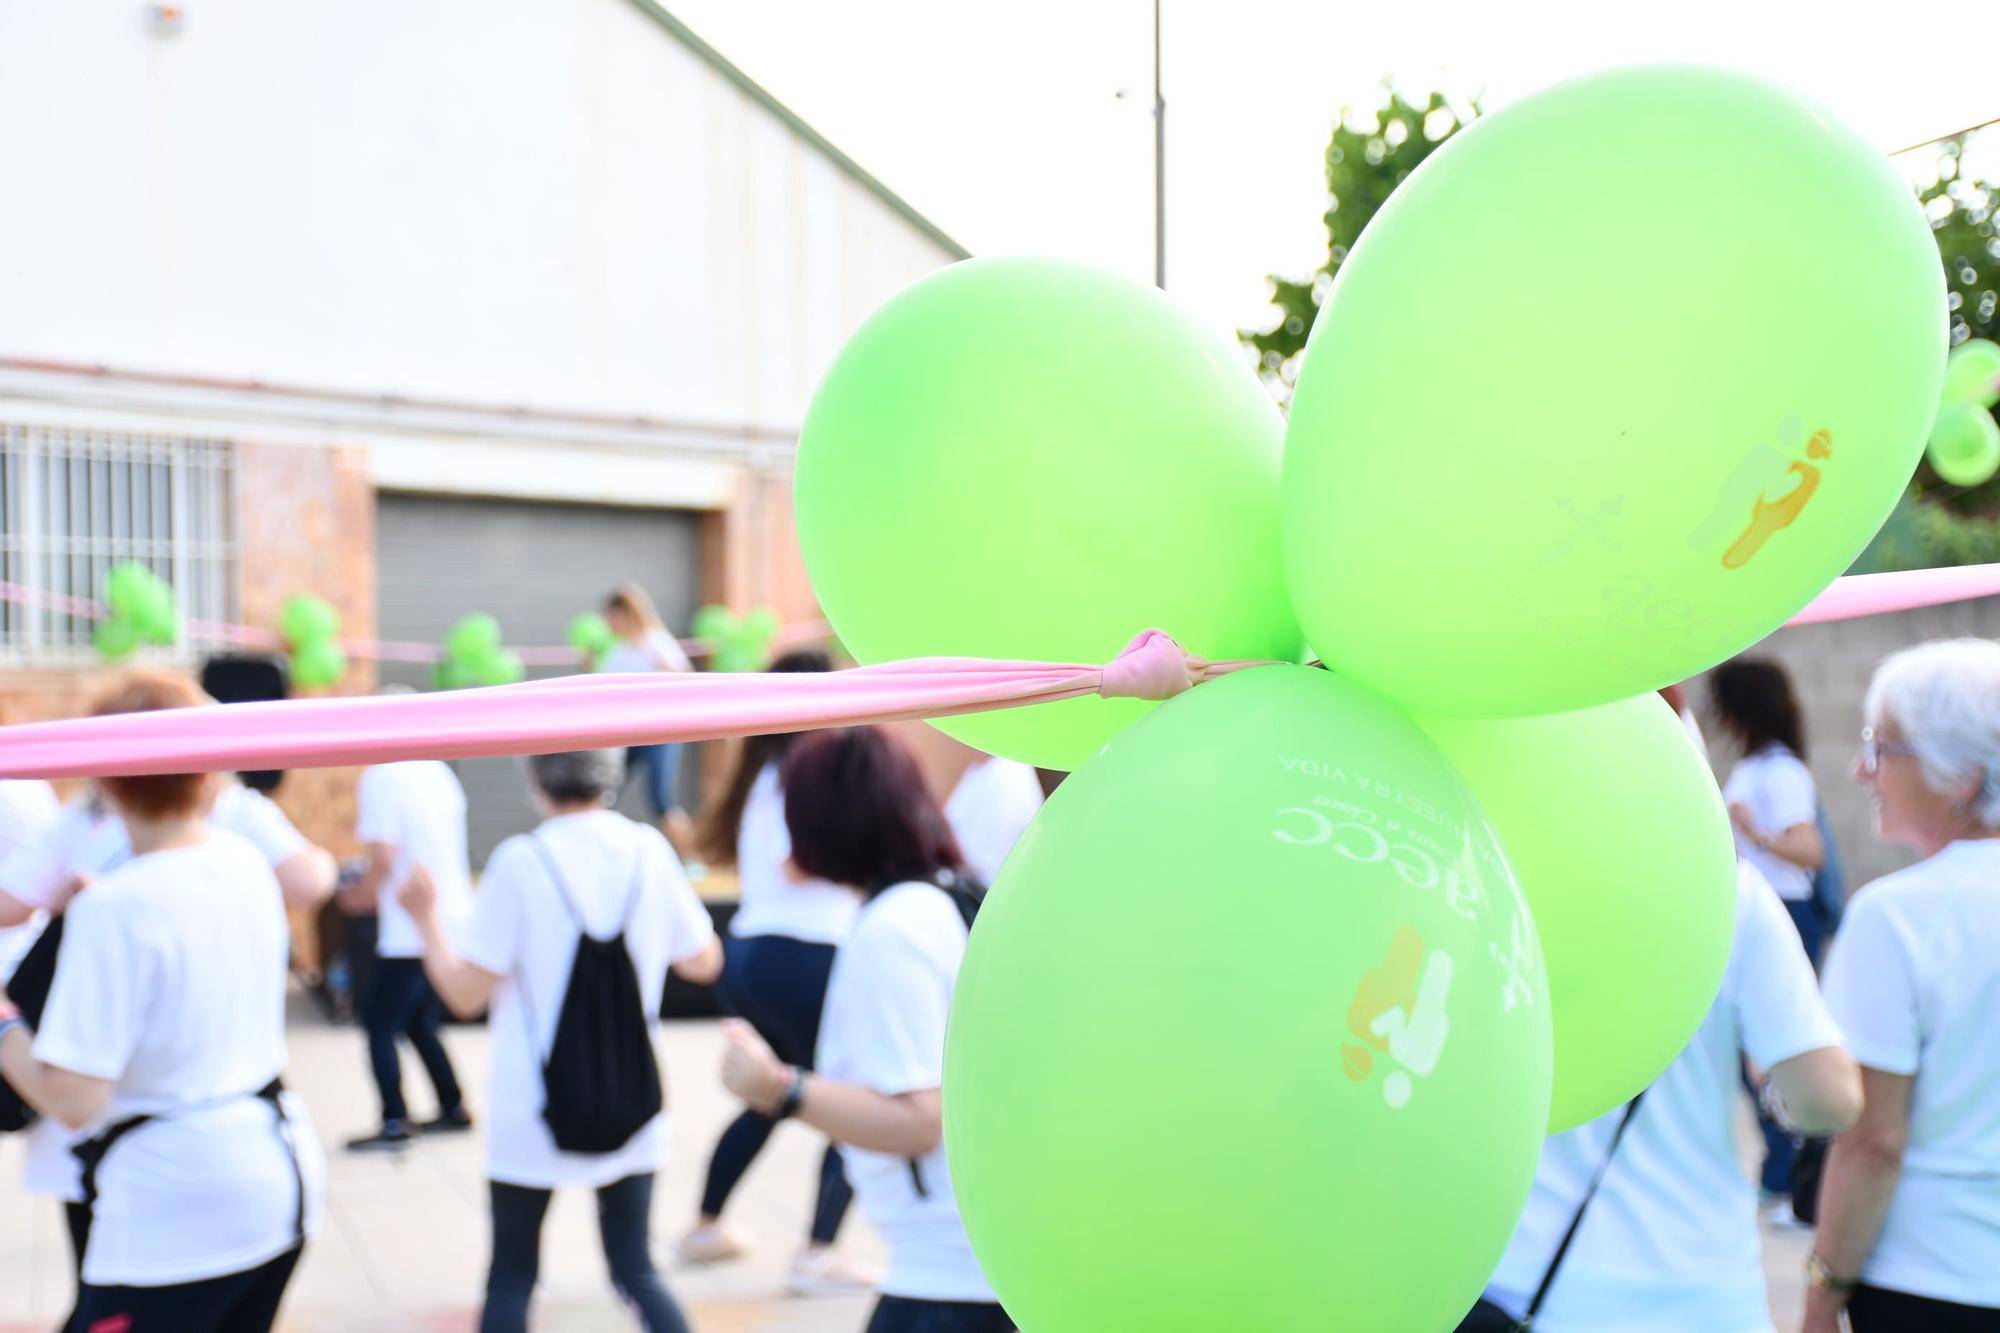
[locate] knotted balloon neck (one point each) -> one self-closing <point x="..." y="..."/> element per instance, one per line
<point x="1153" y="666"/>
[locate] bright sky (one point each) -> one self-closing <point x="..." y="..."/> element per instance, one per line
<point x="1002" y="122"/>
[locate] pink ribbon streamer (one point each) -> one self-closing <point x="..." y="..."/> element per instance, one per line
<point x="1860" y="595"/>
<point x="576" y="712"/>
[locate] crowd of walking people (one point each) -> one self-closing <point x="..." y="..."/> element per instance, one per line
<point x="146" y="954"/>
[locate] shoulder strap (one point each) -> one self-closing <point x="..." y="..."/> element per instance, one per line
<point x="1562" y="1249"/>
<point x="556" y="878"/>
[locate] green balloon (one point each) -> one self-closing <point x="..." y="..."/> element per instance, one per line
<point x="588" y="633"/>
<point x="155" y="617"/>
<point x="473" y="637"/>
<point x="1028" y="458"/>
<point x="1613" y="823"/>
<point x="318" y="664"/>
<point x="125" y="587"/>
<point x="1550" y="445"/>
<point x="712" y="622"/>
<point x="307" y="619"/>
<point x="448" y="675"/>
<point x="1972" y="373"/>
<point x="501" y="667"/>
<point x="115" y="639"/>
<point x="1964" y="447"/>
<point x="1252" y="1032"/>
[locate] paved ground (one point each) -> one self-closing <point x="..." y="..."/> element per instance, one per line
<point x="404" y="1248"/>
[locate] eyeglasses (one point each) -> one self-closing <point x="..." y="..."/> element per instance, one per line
<point x="1872" y="750"/>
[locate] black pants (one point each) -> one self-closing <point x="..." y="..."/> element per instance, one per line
<point x="778" y="985"/>
<point x="244" y="1302"/>
<point x="622" y="1209"/>
<point x="401" y="1002"/>
<point x="1874" y="1310"/>
<point x="900" y="1314"/>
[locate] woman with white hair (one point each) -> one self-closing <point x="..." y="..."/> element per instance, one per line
<point x="569" y="919"/>
<point x="1909" y="1214"/>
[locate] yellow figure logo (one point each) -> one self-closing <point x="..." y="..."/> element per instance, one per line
<point x="1768" y="516"/>
<point x="1399" y="1010"/>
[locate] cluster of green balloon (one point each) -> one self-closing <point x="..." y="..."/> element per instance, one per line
<point x="1029" y="458"/>
<point x="592" y="638"/>
<point x="1268" y="937"/>
<point x="310" y="627"/>
<point x="473" y="655"/>
<point x="736" y="643"/>
<point x="1964" y="447"/>
<point x="141" y="611"/>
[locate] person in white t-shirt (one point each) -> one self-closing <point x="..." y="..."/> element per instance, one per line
<point x="1669" y="1243"/>
<point x="410" y="815"/>
<point x="645" y="645"/>
<point x="1910" y="1200"/>
<point x="992" y="804"/>
<point x="163" y="1039"/>
<point x="859" y="814"/>
<point x="1774" y="809"/>
<point x="780" y="954"/>
<point x="27" y="809"/>
<point x="586" y="868"/>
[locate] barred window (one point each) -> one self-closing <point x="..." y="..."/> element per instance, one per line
<point x="73" y="503"/>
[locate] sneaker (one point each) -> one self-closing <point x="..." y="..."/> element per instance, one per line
<point x="392" y="1137"/>
<point x="823" y="1271"/>
<point x="711" y="1245"/>
<point x="458" y="1122"/>
<point x="1780" y="1217"/>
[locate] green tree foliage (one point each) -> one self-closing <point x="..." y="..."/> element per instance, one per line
<point x="1961" y="209"/>
<point x="1373" y="151"/>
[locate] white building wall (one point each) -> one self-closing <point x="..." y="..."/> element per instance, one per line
<point x="547" y="203"/>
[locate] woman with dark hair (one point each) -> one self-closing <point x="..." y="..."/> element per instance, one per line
<point x="860" y="815"/>
<point x="780" y="953"/>
<point x="163" y="1037"/>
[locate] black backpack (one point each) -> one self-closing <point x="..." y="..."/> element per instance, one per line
<point x="28" y="988"/>
<point x="601" y="1079"/>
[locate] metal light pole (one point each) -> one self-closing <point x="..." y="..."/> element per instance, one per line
<point x="1159" y="162"/>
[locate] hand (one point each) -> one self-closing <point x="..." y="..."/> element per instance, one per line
<point x="1746" y="822"/>
<point x="419" y="894"/>
<point x="751" y="1069"/>
<point x="1822" y="1311"/>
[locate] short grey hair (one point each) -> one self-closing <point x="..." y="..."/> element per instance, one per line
<point x="578" y="775"/>
<point x="1944" y="697"/>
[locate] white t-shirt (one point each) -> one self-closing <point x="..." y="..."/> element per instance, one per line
<point x="1779" y="791"/>
<point x="171" y="983"/>
<point x="1914" y="981"/>
<point x="27" y="808"/>
<point x="86" y="839"/>
<point x="883" y="1028"/>
<point x="522" y="931"/>
<point x="1670" y="1243"/>
<point x="989" y="808"/>
<point x="817" y="912"/>
<point x="629" y="656"/>
<point x="418" y="807"/>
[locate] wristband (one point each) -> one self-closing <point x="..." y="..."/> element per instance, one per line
<point x="10" y="1022"/>
<point x="788" y="1105"/>
<point x="1819" y="1275"/>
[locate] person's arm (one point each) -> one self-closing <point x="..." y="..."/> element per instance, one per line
<point x="12" y="910"/>
<point x="1862" y="1169"/>
<point x="364" y="895"/>
<point x="306" y="878"/>
<point x="1800" y="844"/>
<point x="1817" y="1092"/>
<point x="71" y="1099"/>
<point x="909" y="1124"/>
<point x="465" y="987"/>
<point x="704" y="967"/>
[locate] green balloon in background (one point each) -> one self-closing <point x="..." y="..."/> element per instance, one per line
<point x="1252" y="1032"/>
<point x="590" y="634"/>
<point x="318" y="664"/>
<point x="1964" y="448"/>
<point x="125" y="587"/>
<point x="1972" y="373"/>
<point x="115" y="639"/>
<point x="1030" y="458"/>
<point x="1550" y="447"/>
<point x="1612" y="822"/>
<point x="305" y="619"/>
<point x="474" y="637"/>
<point x="504" y="667"/>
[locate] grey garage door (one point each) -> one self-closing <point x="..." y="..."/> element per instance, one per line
<point x="534" y="567"/>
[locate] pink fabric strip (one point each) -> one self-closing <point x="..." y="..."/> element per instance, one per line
<point x="1905" y="590"/>
<point x="570" y="713"/>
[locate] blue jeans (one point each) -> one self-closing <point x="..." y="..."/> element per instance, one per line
<point x="622" y="1209"/>
<point x="901" y="1314"/>
<point x="661" y="765"/>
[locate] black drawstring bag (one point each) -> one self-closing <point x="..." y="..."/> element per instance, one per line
<point x="601" y="1080"/>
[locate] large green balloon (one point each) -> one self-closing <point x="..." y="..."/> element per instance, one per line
<point x="1964" y="447"/>
<point x="1028" y="458"/>
<point x="1614" y="825"/>
<point x="1972" y="373"/>
<point x="1619" y="379"/>
<point x="1252" y="1032"/>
